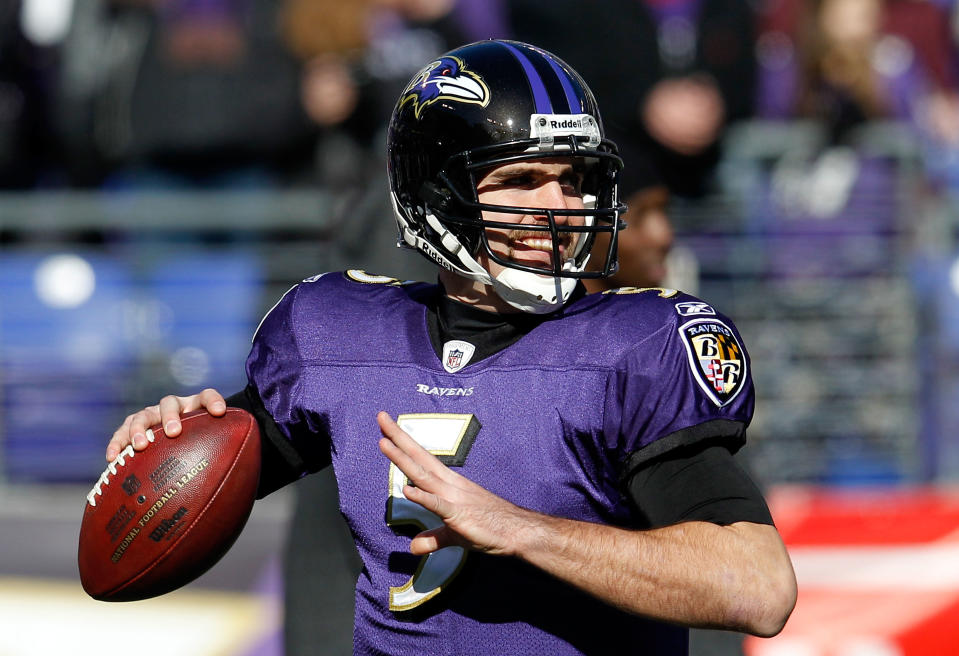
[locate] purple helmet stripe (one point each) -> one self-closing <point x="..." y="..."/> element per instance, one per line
<point x="540" y="95"/>
<point x="575" y="107"/>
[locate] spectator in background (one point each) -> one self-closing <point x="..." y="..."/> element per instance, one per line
<point x="849" y="62"/>
<point x="180" y="93"/>
<point x="671" y="75"/>
<point x="101" y="56"/>
<point x="644" y="246"/>
<point x="355" y="58"/>
<point x="28" y="63"/>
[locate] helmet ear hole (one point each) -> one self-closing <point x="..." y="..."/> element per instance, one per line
<point x="436" y="196"/>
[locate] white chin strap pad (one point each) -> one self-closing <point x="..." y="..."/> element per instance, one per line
<point x="527" y="292"/>
<point x="533" y="293"/>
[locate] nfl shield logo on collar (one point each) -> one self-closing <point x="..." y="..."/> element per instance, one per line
<point x="456" y="355"/>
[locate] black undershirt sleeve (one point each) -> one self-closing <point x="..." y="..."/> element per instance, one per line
<point x="282" y="460"/>
<point x="701" y="482"/>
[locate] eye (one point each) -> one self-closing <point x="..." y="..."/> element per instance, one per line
<point x="446" y="71"/>
<point x="516" y="180"/>
<point x="573" y="183"/>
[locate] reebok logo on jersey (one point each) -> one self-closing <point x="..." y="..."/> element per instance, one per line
<point x="444" y="391"/>
<point x="691" y="308"/>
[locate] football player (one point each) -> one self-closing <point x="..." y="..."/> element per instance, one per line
<point x="525" y="468"/>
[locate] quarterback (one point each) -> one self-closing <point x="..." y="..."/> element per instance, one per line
<point x="525" y="468"/>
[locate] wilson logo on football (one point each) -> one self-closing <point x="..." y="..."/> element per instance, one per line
<point x="164" y="526"/>
<point x="716" y="358"/>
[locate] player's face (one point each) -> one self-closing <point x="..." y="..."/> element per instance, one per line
<point x="550" y="184"/>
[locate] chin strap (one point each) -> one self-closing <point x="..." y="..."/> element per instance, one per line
<point x="528" y="292"/>
<point x="533" y="293"/>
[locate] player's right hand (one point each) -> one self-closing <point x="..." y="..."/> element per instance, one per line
<point x="166" y="413"/>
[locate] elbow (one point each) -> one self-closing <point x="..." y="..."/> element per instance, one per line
<point x="774" y="604"/>
<point x="767" y="588"/>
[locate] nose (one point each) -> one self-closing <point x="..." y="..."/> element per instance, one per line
<point x="550" y="195"/>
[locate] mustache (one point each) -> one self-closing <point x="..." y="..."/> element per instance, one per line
<point x="565" y="238"/>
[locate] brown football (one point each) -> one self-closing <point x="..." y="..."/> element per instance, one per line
<point x="158" y="518"/>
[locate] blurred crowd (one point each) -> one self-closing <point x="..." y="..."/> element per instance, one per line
<point x="134" y="94"/>
<point x="206" y="93"/>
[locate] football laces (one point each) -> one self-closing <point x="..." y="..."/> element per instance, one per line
<point x="111" y="470"/>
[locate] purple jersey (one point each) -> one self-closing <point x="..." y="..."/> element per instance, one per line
<point x="552" y="423"/>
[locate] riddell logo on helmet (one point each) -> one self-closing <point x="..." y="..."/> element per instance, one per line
<point x="435" y="256"/>
<point x="546" y="127"/>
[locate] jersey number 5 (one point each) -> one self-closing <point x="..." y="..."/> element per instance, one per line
<point x="448" y="437"/>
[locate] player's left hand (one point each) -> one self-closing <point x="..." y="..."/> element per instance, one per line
<point x="473" y="517"/>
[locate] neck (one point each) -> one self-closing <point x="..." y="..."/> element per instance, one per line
<point x="474" y="293"/>
<point x="597" y="285"/>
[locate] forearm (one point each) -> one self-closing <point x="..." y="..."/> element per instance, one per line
<point x="694" y="573"/>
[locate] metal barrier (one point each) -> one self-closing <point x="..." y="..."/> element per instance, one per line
<point x="811" y="250"/>
<point x="108" y="301"/>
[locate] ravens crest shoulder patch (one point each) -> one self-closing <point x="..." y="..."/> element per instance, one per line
<point x="716" y="358"/>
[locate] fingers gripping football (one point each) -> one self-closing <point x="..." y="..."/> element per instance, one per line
<point x="473" y="517"/>
<point x="167" y="413"/>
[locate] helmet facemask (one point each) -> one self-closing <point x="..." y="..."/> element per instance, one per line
<point x="456" y="214"/>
